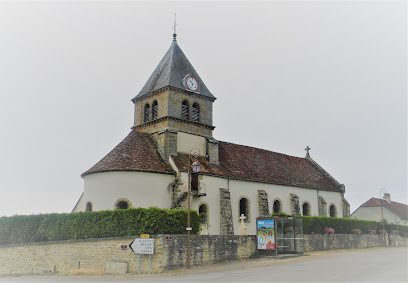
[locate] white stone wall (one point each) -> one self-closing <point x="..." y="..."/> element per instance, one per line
<point x="152" y="189"/>
<point x="249" y="190"/>
<point x="140" y="188"/>
<point x="374" y="213"/>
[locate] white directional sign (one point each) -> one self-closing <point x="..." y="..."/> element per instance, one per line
<point x="142" y="246"/>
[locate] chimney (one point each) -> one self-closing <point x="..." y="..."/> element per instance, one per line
<point x="387" y="197"/>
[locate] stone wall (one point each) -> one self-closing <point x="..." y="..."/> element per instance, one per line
<point x="226" y="222"/>
<point x="107" y="255"/>
<point x="322" y="242"/>
<point x="113" y="255"/>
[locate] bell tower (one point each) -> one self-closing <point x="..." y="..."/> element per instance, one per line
<point x="175" y="107"/>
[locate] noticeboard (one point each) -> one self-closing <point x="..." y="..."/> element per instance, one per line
<point x="265" y="231"/>
<point x="142" y="246"/>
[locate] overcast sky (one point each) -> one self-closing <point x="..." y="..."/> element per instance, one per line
<point x="331" y="75"/>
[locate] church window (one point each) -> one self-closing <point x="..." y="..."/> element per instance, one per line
<point x="203" y="213"/>
<point x="146" y="112"/>
<point x="185" y="110"/>
<point x="276" y="206"/>
<point x="195" y="112"/>
<point x="122" y="204"/>
<point x="244" y="208"/>
<point x="306" y="209"/>
<point x="88" y="206"/>
<point x="333" y="211"/>
<point x="155" y="110"/>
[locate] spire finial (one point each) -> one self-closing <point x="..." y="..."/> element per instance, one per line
<point x="174" y="28"/>
<point x="307" y="151"/>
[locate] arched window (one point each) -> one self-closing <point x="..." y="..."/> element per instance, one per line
<point x="146" y="112"/>
<point x="276" y="206"/>
<point x="195" y="112"/>
<point x="185" y="110"/>
<point x="306" y="209"/>
<point x="333" y="211"/>
<point x="122" y="205"/>
<point x="155" y="110"/>
<point x="244" y="208"/>
<point x="88" y="206"/>
<point x="203" y="213"/>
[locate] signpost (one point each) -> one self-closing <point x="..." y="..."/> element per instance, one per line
<point x="143" y="245"/>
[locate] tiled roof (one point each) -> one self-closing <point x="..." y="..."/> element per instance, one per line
<point x="137" y="152"/>
<point x="397" y="208"/>
<point x="171" y="70"/>
<point x="254" y="164"/>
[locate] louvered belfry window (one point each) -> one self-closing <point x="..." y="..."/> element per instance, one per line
<point x="195" y="113"/>
<point x="184" y="110"/>
<point x="155" y="110"/>
<point x="146" y="112"/>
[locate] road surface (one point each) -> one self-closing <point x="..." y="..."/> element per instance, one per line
<point x="363" y="265"/>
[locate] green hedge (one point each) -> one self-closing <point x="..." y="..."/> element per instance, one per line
<point x="101" y="224"/>
<point x="316" y="225"/>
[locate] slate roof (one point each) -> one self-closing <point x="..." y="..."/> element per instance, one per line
<point x="173" y="67"/>
<point x="397" y="208"/>
<point x="254" y="164"/>
<point x="137" y="152"/>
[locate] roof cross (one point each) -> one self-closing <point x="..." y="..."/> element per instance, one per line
<point x="307" y="151"/>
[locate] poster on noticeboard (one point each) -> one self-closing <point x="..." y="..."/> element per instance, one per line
<point x="265" y="230"/>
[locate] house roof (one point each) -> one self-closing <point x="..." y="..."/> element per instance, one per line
<point x="397" y="208"/>
<point x="173" y="67"/>
<point x="254" y="164"/>
<point x="137" y="152"/>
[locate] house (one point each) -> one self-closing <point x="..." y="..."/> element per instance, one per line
<point x="375" y="208"/>
<point x="173" y="127"/>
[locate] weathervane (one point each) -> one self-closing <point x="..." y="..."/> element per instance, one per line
<point x="174" y="28"/>
<point x="307" y="151"/>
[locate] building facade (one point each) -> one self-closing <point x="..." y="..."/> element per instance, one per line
<point x="172" y="122"/>
<point x="377" y="209"/>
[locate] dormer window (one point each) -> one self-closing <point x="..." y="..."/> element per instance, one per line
<point x="185" y="110"/>
<point x="155" y="110"/>
<point x="195" y="112"/>
<point x="146" y="112"/>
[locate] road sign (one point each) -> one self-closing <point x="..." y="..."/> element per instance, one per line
<point x="142" y="246"/>
<point x="145" y="236"/>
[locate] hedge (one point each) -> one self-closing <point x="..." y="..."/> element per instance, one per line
<point x="316" y="225"/>
<point x="101" y="224"/>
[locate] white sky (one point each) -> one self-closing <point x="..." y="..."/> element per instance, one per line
<point x="328" y="74"/>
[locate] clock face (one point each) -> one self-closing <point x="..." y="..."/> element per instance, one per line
<point x="190" y="82"/>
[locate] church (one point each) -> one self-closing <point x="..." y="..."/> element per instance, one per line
<point x="173" y="127"/>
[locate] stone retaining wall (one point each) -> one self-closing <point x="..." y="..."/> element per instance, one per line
<point x="113" y="255"/>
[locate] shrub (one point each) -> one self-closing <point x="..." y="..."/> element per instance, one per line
<point x="101" y="224"/>
<point x="316" y="224"/>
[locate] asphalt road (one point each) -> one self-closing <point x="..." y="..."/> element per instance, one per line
<point x="364" y="265"/>
<point x="374" y="265"/>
